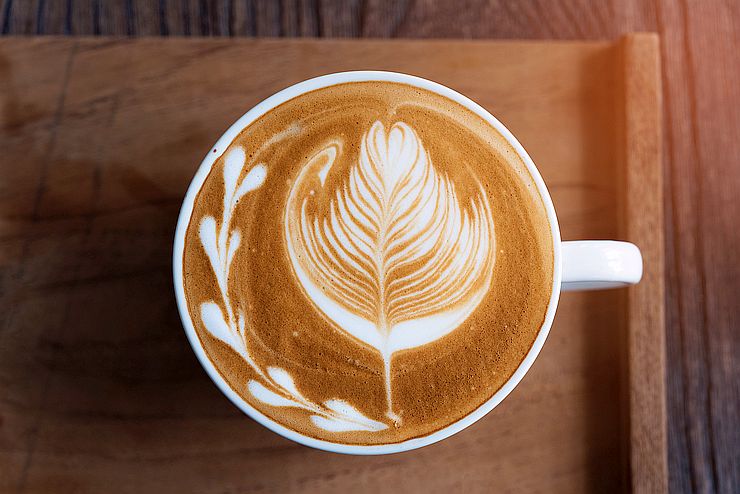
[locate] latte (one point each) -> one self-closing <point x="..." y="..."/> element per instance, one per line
<point x="368" y="263"/>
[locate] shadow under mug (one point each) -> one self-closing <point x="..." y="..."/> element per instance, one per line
<point x="579" y="265"/>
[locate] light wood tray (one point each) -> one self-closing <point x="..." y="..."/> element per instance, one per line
<point x="100" y="390"/>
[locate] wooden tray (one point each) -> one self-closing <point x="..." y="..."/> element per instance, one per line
<point x="100" y="390"/>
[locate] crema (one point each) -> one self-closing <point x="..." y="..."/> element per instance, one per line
<point x="368" y="263"/>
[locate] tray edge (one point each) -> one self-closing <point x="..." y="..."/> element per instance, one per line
<point x="643" y="224"/>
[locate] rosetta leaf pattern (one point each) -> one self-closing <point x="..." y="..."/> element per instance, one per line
<point x="396" y="259"/>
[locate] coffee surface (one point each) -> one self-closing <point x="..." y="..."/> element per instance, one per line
<point x="368" y="263"/>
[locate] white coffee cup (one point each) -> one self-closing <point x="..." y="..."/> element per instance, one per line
<point x="580" y="265"/>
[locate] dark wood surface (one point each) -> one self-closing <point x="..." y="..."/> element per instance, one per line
<point x="700" y="70"/>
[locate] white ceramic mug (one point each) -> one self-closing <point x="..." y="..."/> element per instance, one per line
<point x="580" y="265"/>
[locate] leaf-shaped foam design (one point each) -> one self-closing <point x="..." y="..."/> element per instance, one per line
<point x="335" y="416"/>
<point x="396" y="259"/>
<point x="335" y="424"/>
<point x="344" y="409"/>
<point x="220" y="245"/>
<point x="284" y="380"/>
<point x="254" y="179"/>
<point x="213" y="320"/>
<point x="209" y="240"/>
<point x="389" y="252"/>
<point x="269" y="397"/>
<point x="233" y="165"/>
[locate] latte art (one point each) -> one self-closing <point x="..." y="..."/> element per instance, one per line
<point x="276" y="387"/>
<point x="393" y="258"/>
<point x="367" y="263"/>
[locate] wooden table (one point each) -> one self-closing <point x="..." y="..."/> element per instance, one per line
<point x="701" y="142"/>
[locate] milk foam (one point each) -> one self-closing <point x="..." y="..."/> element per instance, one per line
<point x="395" y="260"/>
<point x="342" y="269"/>
<point x="220" y="243"/>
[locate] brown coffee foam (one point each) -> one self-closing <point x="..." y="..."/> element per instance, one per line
<point x="433" y="385"/>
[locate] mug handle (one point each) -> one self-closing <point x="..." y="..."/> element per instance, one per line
<point x="597" y="264"/>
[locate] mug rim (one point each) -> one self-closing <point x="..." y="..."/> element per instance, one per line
<point x="222" y="145"/>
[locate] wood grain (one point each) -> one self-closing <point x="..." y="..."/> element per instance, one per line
<point x="643" y="218"/>
<point x="101" y="391"/>
<point x="701" y="155"/>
